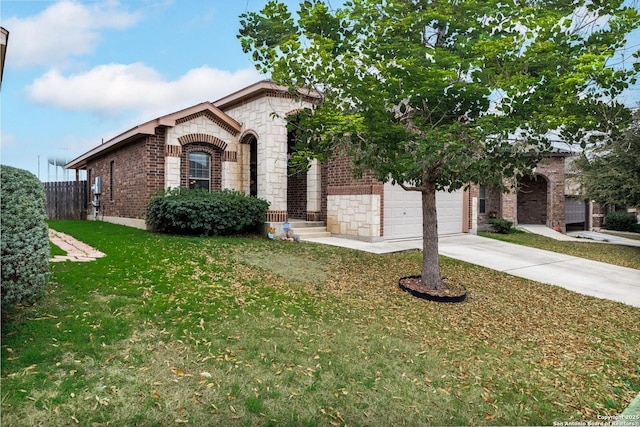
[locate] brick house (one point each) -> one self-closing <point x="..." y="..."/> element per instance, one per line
<point x="241" y="142"/>
<point x="539" y="199"/>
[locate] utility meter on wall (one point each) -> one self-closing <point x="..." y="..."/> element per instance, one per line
<point x="97" y="187"/>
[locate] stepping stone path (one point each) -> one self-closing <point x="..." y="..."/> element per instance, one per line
<point x="75" y="249"/>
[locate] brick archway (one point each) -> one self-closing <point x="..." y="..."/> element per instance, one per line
<point x="203" y="137"/>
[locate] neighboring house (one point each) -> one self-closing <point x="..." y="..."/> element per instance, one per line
<point x="584" y="214"/>
<point x="241" y="142"/>
<point x="539" y="199"/>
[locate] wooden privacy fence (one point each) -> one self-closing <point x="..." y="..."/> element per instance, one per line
<point x="66" y="200"/>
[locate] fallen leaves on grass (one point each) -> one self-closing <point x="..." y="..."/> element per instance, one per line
<point x="220" y="329"/>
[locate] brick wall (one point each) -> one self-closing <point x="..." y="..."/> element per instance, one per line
<point x="509" y="206"/>
<point x="342" y="175"/>
<point x="131" y="174"/>
<point x="324" y="171"/>
<point x="472" y="193"/>
<point x="126" y="192"/>
<point x="532" y="201"/>
<point x="493" y="205"/>
<point x="552" y="168"/>
<point x="154" y="160"/>
<point x="297" y="196"/>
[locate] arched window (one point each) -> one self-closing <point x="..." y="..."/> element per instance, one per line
<point x="200" y="170"/>
<point x="250" y="138"/>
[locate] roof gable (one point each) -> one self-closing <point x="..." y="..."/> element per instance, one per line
<point x="206" y="109"/>
<point x="260" y="89"/>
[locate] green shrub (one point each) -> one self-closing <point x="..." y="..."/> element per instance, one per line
<point x="500" y="225"/>
<point x="621" y="221"/>
<point x="24" y="236"/>
<point x="199" y="212"/>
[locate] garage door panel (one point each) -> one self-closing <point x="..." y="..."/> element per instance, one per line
<point x="403" y="212"/>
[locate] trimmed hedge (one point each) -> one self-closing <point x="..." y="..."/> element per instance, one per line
<point x="24" y="236"/>
<point x="502" y="226"/>
<point x="199" y="212"/>
<point x="621" y="221"/>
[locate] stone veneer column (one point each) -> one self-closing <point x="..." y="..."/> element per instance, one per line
<point x="272" y="168"/>
<point x="230" y="175"/>
<point x="172" y="166"/>
<point x="314" y="192"/>
<point x="242" y="165"/>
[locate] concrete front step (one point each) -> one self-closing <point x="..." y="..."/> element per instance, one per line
<point x="310" y="232"/>
<point x="298" y="223"/>
<point x="309" y="229"/>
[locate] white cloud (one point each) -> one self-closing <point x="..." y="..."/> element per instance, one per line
<point x="117" y="88"/>
<point x="7" y="141"/>
<point x="66" y="28"/>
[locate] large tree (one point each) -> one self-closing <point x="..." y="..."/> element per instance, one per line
<point x="435" y="94"/>
<point x="609" y="172"/>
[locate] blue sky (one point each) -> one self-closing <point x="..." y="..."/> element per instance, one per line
<point x="78" y="72"/>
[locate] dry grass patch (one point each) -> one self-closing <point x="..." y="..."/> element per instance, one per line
<point x="292" y="267"/>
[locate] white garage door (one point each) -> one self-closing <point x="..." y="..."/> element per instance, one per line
<point x="403" y="212"/>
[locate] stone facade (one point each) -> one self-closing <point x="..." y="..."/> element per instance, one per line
<point x="265" y="116"/>
<point x="355" y="206"/>
<point x="354" y="215"/>
<point x="200" y="128"/>
<point x="245" y="135"/>
<point x="316" y="209"/>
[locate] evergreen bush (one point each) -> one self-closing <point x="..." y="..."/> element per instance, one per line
<point x="24" y="236"/>
<point x="199" y="212"/>
<point x="500" y="225"/>
<point x="621" y="221"/>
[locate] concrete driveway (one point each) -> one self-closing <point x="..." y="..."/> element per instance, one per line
<point x="576" y="274"/>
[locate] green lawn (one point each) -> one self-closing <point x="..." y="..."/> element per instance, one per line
<point x="252" y="332"/>
<point x="625" y="256"/>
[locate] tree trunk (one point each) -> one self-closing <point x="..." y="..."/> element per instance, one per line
<point x="430" y="262"/>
